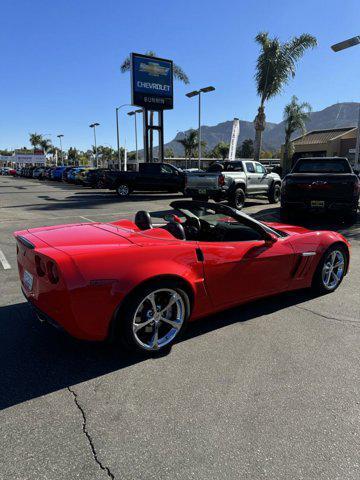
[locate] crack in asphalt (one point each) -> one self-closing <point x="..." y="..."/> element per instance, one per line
<point x="354" y="322"/>
<point x="91" y="443"/>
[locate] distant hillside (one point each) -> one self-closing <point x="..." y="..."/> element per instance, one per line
<point x="338" y="115"/>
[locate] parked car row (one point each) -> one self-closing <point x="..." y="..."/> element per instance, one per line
<point x="78" y="175"/>
<point x="7" y="171"/>
<point x="314" y="185"/>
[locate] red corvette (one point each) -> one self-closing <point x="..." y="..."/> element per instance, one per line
<point x="142" y="283"/>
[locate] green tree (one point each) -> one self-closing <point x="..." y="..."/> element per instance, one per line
<point x="46" y="145"/>
<point x="35" y="139"/>
<point x="275" y="66"/>
<point x="221" y="150"/>
<point x="295" y="115"/>
<point x="247" y="149"/>
<point x="190" y="143"/>
<point x="169" y="153"/>
<point x="73" y="155"/>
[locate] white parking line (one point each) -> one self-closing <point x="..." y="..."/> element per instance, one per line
<point x="87" y="219"/>
<point x="4" y="262"/>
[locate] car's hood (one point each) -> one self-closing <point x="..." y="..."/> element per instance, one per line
<point x="79" y="238"/>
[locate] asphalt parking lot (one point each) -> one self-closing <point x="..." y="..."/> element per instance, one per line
<point x="269" y="390"/>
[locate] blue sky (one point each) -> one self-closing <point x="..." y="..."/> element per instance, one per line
<point x="60" y="61"/>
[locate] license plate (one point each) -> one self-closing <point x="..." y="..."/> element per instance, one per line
<point x="28" y="280"/>
<point x="202" y="191"/>
<point x="317" y="203"/>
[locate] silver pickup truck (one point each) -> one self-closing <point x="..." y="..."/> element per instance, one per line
<point x="233" y="181"/>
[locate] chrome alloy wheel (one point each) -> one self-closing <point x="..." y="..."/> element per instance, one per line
<point x="123" y="190"/>
<point x="158" y="318"/>
<point x="333" y="269"/>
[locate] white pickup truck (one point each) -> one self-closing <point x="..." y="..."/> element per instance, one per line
<point x="233" y="181"/>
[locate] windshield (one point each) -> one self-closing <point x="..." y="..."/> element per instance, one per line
<point x="335" y="165"/>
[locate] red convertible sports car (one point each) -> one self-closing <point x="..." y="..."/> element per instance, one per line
<point x="142" y="282"/>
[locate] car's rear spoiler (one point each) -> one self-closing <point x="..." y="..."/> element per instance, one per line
<point x="25" y="242"/>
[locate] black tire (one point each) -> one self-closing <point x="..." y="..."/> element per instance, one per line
<point x="124" y="330"/>
<point x="274" y="193"/>
<point x="237" y="199"/>
<point x="318" y="283"/>
<point x="123" y="190"/>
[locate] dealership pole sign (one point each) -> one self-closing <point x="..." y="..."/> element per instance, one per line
<point x="151" y="82"/>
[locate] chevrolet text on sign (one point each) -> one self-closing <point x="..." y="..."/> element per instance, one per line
<point x="152" y="82"/>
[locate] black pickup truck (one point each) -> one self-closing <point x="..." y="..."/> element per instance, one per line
<point x="321" y="184"/>
<point x="151" y="177"/>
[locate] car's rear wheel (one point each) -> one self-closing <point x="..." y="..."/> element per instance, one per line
<point x="274" y="193"/>
<point x="237" y="200"/>
<point x="154" y="317"/>
<point x="331" y="270"/>
<point x="123" y="190"/>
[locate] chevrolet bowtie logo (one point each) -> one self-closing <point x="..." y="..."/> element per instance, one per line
<point x="153" y="68"/>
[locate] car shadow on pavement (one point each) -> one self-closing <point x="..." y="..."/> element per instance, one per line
<point x="37" y="359"/>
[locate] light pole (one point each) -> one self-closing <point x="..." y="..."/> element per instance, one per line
<point x="117" y="130"/>
<point x="351" y="42"/>
<point x="93" y="126"/>
<point x="198" y="93"/>
<point x="133" y="113"/>
<point x="61" y="156"/>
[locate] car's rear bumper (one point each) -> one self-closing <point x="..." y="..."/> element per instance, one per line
<point x="207" y="192"/>
<point x="329" y="205"/>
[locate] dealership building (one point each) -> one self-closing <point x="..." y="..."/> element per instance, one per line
<point x="333" y="142"/>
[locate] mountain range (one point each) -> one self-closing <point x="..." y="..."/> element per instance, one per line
<point x="338" y="115"/>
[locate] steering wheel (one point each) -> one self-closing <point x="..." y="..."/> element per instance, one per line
<point x="192" y="227"/>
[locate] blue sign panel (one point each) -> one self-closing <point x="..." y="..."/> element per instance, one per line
<point x="152" y="82"/>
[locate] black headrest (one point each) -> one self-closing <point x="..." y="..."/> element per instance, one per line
<point x="143" y="220"/>
<point x="176" y="229"/>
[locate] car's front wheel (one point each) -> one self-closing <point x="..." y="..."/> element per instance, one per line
<point x="123" y="190"/>
<point x="154" y="317"/>
<point x="331" y="270"/>
<point x="274" y="193"/>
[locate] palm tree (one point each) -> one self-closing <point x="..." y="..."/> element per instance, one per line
<point x="178" y="72"/>
<point x="46" y="145"/>
<point x="275" y="66"/>
<point x="35" y="139"/>
<point x="295" y="116"/>
<point x="190" y="143"/>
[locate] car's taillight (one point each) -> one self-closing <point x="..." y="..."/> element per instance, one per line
<point x="40" y="266"/>
<point x="221" y="180"/>
<point x="52" y="272"/>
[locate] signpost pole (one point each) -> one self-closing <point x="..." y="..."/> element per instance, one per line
<point x="199" y="134"/>
<point x="146" y="136"/>
<point x="117" y="137"/>
<point x="161" y="136"/>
